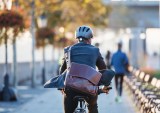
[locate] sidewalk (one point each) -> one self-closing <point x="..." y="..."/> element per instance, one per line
<point x="52" y="102"/>
<point x="24" y="94"/>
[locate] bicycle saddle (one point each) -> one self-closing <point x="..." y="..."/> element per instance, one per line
<point x="81" y="98"/>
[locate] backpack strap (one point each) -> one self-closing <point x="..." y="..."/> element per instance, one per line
<point x="68" y="57"/>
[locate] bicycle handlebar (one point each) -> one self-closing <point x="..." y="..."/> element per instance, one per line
<point x="101" y="91"/>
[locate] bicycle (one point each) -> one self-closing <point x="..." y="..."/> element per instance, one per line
<point x="81" y="108"/>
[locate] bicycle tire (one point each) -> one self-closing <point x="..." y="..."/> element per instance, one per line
<point x="80" y="112"/>
<point x="77" y="111"/>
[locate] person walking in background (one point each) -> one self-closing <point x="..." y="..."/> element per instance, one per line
<point x="119" y="61"/>
<point x="108" y="56"/>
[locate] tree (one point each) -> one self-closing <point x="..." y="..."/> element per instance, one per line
<point x="11" y="24"/>
<point x="65" y="13"/>
<point x="35" y="8"/>
<point x="44" y="36"/>
<point x="14" y="39"/>
<point x="73" y="13"/>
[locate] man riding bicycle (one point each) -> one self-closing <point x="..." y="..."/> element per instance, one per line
<point x="83" y="53"/>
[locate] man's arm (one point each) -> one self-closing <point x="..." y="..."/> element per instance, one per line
<point x="64" y="63"/>
<point x="126" y="59"/>
<point x="100" y="62"/>
<point x="63" y="67"/>
<point x="126" y="63"/>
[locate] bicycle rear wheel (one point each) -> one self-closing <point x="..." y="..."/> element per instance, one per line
<point x="80" y="111"/>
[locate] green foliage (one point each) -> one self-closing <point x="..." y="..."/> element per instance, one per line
<point x="152" y="72"/>
<point x="1" y="36"/>
<point x="54" y="18"/>
<point x="44" y="36"/>
<point x="70" y="13"/>
<point x="73" y="13"/>
<point x="157" y="74"/>
<point x="1" y="40"/>
<point x="40" y="6"/>
<point x="11" y="19"/>
<point x="11" y="24"/>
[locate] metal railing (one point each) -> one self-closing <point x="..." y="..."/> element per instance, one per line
<point x="144" y="90"/>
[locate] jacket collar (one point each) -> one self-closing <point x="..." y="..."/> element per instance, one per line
<point x="82" y="43"/>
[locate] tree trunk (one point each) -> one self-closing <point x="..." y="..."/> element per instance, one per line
<point x="53" y="57"/>
<point x="6" y="76"/>
<point x="33" y="44"/>
<point x="14" y="69"/>
<point x="44" y="67"/>
<point x="44" y="59"/>
<point x="6" y="53"/>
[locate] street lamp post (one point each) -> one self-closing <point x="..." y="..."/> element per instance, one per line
<point x="7" y="93"/>
<point x="42" y="23"/>
<point x="32" y="29"/>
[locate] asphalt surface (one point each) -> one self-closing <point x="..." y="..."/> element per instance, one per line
<point x="42" y="100"/>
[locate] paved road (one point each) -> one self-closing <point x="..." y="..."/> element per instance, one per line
<point x="51" y="102"/>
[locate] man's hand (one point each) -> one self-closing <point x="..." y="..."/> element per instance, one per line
<point x="62" y="91"/>
<point x="105" y="89"/>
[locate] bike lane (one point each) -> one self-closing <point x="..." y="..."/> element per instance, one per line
<point x="52" y="102"/>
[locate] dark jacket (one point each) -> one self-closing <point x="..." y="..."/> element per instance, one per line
<point x="119" y="62"/>
<point x="85" y="54"/>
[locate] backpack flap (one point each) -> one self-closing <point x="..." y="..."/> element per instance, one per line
<point x="85" y="72"/>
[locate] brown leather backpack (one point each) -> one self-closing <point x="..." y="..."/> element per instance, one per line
<point x="82" y="78"/>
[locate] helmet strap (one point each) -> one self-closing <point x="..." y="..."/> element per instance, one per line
<point x="84" y="40"/>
